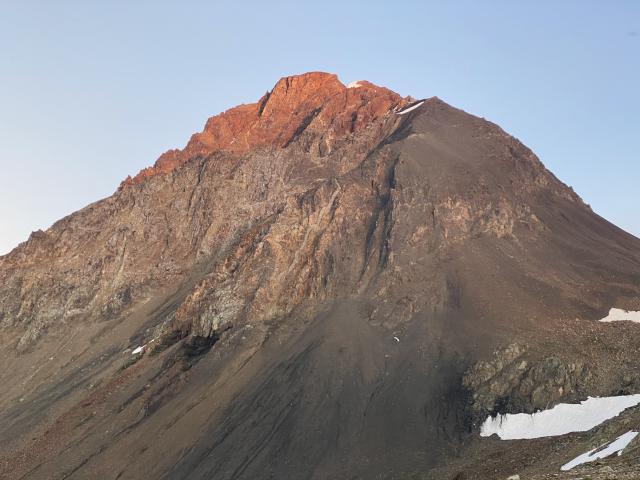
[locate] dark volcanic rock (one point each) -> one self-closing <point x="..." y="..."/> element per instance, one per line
<point x="309" y="280"/>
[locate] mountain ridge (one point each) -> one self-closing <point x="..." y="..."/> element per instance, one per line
<point x="282" y="114"/>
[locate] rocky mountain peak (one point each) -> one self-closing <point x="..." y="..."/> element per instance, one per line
<point x="332" y="282"/>
<point x="314" y="101"/>
<point x="300" y="92"/>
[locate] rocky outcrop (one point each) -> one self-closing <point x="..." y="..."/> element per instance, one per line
<point x="513" y="382"/>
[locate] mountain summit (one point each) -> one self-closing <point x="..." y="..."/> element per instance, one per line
<point x="314" y="102"/>
<point x="332" y="282"/>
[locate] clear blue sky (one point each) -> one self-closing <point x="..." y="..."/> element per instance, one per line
<point x="93" y="91"/>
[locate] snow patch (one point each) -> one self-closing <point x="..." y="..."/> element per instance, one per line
<point x="410" y="109"/>
<point x="137" y="350"/>
<point x="619" y="315"/>
<point x="559" y="420"/>
<point x="354" y="84"/>
<point x="603" y="451"/>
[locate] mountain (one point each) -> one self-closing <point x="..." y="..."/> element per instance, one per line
<point x="333" y="282"/>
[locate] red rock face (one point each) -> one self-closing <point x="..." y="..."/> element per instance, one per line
<point x="315" y="101"/>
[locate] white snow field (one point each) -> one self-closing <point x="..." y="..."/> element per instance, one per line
<point x="559" y="420"/>
<point x="603" y="451"/>
<point x="619" y="315"/>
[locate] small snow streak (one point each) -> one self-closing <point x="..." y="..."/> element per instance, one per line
<point x="410" y="109"/>
<point x="617" y="446"/>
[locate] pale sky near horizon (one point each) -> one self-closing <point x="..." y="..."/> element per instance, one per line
<point x="94" y="91"/>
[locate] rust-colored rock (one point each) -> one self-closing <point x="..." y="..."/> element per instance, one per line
<point x="315" y="101"/>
